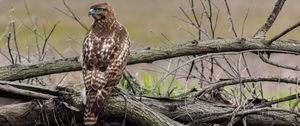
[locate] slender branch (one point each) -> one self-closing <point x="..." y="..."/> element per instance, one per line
<point x="16" y="91"/>
<point x="72" y="14"/>
<point x="9" y="49"/>
<point x="34" y="88"/>
<point x="295" y="68"/>
<point x="283" y="33"/>
<point x="245" y="19"/>
<point x="244" y="80"/>
<point x="15" y="40"/>
<point x="48" y="36"/>
<point x="190" y="21"/>
<point x="210" y="19"/>
<point x="230" y="19"/>
<point x="5" y="56"/>
<point x="271" y="19"/>
<point x="276" y="101"/>
<point x="192" y="4"/>
<point x="245" y="113"/>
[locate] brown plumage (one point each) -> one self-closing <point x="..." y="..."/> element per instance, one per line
<point x="105" y="52"/>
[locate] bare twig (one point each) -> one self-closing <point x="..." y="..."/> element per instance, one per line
<point x="72" y="14"/>
<point x="295" y="68"/>
<point x="283" y="33"/>
<point x="271" y="19"/>
<point x="244" y="80"/>
<point x="245" y="19"/>
<point x="190" y="21"/>
<point x="295" y="104"/>
<point x="55" y="50"/>
<point x="245" y="112"/>
<point x="199" y="34"/>
<point x="15" y="41"/>
<point x="209" y="16"/>
<point x="198" y="22"/>
<point x="230" y="19"/>
<point x="47" y="38"/>
<point x="210" y="19"/>
<point x="6" y="57"/>
<point x="276" y="101"/>
<point x="235" y="72"/>
<point x="9" y="49"/>
<point x="197" y="58"/>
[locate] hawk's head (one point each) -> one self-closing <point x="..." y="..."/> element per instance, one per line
<point x="101" y="11"/>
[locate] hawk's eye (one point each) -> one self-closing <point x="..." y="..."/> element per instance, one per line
<point x="94" y="11"/>
<point x="98" y="9"/>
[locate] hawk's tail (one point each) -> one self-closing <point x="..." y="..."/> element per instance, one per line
<point x="95" y="105"/>
<point x="90" y="117"/>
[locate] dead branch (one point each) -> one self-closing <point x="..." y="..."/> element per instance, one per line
<point x="71" y="15"/>
<point x="244" y="113"/>
<point x="245" y="80"/>
<point x="283" y="33"/>
<point x="271" y="19"/>
<point x="16" y="91"/>
<point x="47" y="38"/>
<point x="33" y="88"/>
<point x="140" y="113"/>
<point x="26" y="114"/>
<point x="287" y="98"/>
<point x="9" y="49"/>
<point x="295" y="68"/>
<point x="19" y="72"/>
<point x="230" y="19"/>
<point x="13" y="25"/>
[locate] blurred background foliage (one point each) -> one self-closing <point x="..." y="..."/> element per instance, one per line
<point x="145" y="20"/>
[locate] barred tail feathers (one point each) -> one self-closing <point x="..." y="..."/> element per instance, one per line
<point x="90" y="117"/>
<point x="96" y="96"/>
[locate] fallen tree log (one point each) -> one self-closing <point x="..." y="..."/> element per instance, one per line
<point x="46" y="112"/>
<point x="19" y="72"/>
<point x="142" y="112"/>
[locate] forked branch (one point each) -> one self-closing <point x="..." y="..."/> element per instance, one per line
<point x="271" y="19"/>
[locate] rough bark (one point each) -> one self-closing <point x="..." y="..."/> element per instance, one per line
<point x="142" y="112"/>
<point x="17" y="72"/>
<point x="48" y="112"/>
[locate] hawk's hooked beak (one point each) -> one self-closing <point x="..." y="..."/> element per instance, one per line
<point x="91" y="12"/>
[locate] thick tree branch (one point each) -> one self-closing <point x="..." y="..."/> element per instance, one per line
<point x="139" y="110"/>
<point x="27" y="114"/>
<point x="271" y="19"/>
<point x="184" y="111"/>
<point x="18" y="72"/>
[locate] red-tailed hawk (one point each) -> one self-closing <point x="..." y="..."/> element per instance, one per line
<point x="105" y="53"/>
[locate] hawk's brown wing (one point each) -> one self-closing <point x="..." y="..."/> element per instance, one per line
<point x="103" y="64"/>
